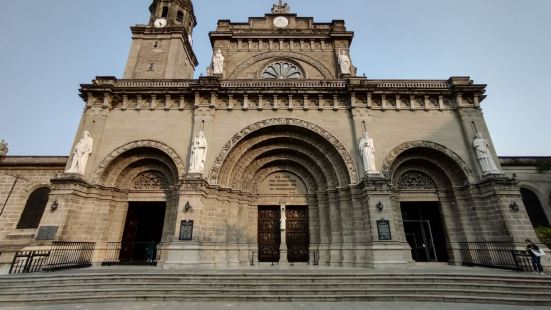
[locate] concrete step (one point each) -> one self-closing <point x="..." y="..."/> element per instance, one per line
<point x="308" y="287"/>
<point x="15" y="288"/>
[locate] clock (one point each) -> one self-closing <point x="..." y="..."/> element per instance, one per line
<point x="281" y="22"/>
<point x="160" y="23"/>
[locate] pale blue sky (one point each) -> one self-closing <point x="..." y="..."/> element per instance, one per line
<point x="49" y="47"/>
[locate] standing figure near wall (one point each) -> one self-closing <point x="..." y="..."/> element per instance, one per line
<point x="344" y="62"/>
<point x="367" y="152"/>
<point x="3" y="148"/>
<point x="218" y="62"/>
<point x="283" y="220"/>
<point x="81" y="153"/>
<point x="484" y="155"/>
<point x="198" y="156"/>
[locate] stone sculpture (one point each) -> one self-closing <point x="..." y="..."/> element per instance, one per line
<point x="344" y="62"/>
<point x="3" y="148"/>
<point x="484" y="155"/>
<point x="198" y="154"/>
<point x="218" y="62"/>
<point x="281" y="8"/>
<point x="367" y="152"/>
<point x="283" y="220"/>
<point x="82" y="152"/>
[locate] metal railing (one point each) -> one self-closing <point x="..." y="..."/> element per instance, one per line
<point x="132" y="253"/>
<point x="62" y="255"/>
<point x="502" y="255"/>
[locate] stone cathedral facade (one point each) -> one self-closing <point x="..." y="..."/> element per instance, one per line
<point x="281" y="152"/>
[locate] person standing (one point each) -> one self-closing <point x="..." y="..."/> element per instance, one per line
<point x="535" y="254"/>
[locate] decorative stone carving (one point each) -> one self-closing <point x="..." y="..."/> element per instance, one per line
<point x="219" y="161"/>
<point x="82" y="152"/>
<point x="282" y="70"/>
<point x="198" y="156"/>
<point x="281" y="8"/>
<point x="415" y="180"/>
<point x="484" y="155"/>
<point x="391" y="157"/>
<point x="278" y="55"/>
<point x="344" y="62"/>
<point x="3" y="148"/>
<point x="218" y="63"/>
<point x="367" y="151"/>
<point x="150" y="180"/>
<point x="137" y="144"/>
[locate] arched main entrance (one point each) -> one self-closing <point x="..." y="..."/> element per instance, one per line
<point x="296" y="176"/>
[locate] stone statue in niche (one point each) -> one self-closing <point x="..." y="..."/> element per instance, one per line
<point x="82" y="151"/>
<point x="283" y="220"/>
<point x="367" y="152"/>
<point x="218" y="62"/>
<point x="3" y="148"/>
<point x="344" y="62"/>
<point x="484" y="155"/>
<point x="198" y="156"/>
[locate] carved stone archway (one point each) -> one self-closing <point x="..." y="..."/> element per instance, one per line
<point x="395" y="153"/>
<point x="101" y="169"/>
<point x="281" y="55"/>
<point x="337" y="146"/>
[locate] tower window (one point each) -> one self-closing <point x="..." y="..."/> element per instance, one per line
<point x="151" y="67"/>
<point x="34" y="208"/>
<point x="156" y="44"/>
<point x="180" y="17"/>
<point x="165" y="11"/>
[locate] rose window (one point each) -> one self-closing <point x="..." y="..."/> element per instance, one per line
<point x="282" y="70"/>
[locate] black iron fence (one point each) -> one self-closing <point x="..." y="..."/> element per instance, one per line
<point x="132" y="253"/>
<point x="502" y="255"/>
<point x="61" y="255"/>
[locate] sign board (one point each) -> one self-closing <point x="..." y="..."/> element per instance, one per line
<point x="47" y="232"/>
<point x="186" y="230"/>
<point x="383" y="227"/>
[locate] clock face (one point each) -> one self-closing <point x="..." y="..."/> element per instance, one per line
<point x="160" y="23"/>
<point x="281" y="22"/>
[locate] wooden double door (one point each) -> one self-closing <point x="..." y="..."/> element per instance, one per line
<point x="296" y="233"/>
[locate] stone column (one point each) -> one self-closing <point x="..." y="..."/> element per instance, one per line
<point x="283" y="236"/>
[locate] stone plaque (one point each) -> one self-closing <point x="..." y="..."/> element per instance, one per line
<point x="47" y="232"/>
<point x="186" y="230"/>
<point x="282" y="183"/>
<point x="383" y="227"/>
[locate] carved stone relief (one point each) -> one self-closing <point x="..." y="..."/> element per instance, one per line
<point x="415" y="180"/>
<point x="150" y="180"/>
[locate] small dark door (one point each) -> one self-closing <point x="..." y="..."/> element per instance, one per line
<point x="297" y="234"/>
<point x="268" y="233"/>
<point x="143" y="229"/>
<point x="424" y="231"/>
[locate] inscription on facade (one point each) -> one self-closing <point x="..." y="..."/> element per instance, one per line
<point x="282" y="183"/>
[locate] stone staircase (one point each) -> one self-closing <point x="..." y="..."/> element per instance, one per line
<point x="258" y="286"/>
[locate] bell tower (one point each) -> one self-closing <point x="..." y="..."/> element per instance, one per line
<point x="162" y="49"/>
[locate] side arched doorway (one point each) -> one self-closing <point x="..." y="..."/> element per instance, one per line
<point x="300" y="208"/>
<point x="144" y="207"/>
<point x="535" y="210"/>
<point x="427" y="184"/>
